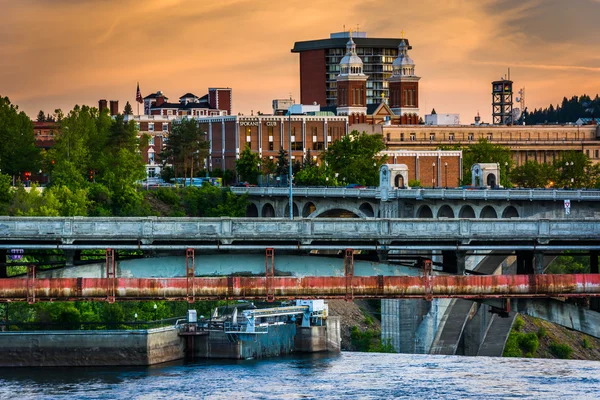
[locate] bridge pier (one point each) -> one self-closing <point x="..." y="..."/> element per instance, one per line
<point x="539" y="262"/>
<point x="3" y="253"/>
<point x="594" y="301"/>
<point x="454" y="262"/>
<point x="525" y="262"/>
<point x="72" y="257"/>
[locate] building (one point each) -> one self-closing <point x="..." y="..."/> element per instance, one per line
<point x="320" y="59"/>
<point x="267" y="134"/>
<point x="218" y="101"/>
<point x="435" y="168"/>
<point x="45" y="133"/>
<point x="442" y="119"/>
<point x="541" y="143"/>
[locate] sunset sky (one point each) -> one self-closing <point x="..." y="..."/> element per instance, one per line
<point x="58" y="53"/>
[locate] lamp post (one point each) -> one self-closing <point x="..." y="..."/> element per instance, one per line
<point x="155" y="308"/>
<point x="571" y="173"/>
<point x="259" y="174"/>
<point x="433" y="175"/>
<point x="290" y="164"/>
<point x="446" y="173"/>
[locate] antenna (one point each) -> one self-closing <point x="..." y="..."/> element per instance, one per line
<point x="509" y="73"/>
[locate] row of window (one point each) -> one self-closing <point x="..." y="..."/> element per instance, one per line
<point x="470" y="136"/>
<point x="165" y="126"/>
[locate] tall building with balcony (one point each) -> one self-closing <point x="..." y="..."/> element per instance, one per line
<point x="320" y="66"/>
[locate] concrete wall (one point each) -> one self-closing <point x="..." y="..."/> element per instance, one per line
<point x="89" y="348"/>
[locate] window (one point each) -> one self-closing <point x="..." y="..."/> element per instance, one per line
<point x="451" y="136"/>
<point x="432" y="136"/>
<point x="596" y="152"/>
<point x="489" y="136"/>
<point x="270" y="145"/>
<point x="402" y="137"/>
<point x="165" y="127"/>
<point x="470" y="136"/>
<point x="150" y="157"/>
<point x="587" y="153"/>
<point x="413" y="137"/>
<point x="151" y="141"/>
<point x="169" y="112"/>
<point x="387" y="135"/>
<point x="318" y="146"/>
<point x="151" y="172"/>
<point x="150" y="126"/>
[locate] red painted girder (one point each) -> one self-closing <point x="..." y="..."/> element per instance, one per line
<point x="488" y="286"/>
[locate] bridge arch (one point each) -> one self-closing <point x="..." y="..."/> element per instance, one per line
<point x="367" y="209"/>
<point x="308" y="209"/>
<point x="333" y="209"/>
<point x="268" y="211"/>
<point x="445" y="211"/>
<point x="466" y="212"/>
<point x="424" y="212"/>
<point x="510" y="212"/>
<point x="286" y="210"/>
<point x="488" y="212"/>
<point x="252" y="211"/>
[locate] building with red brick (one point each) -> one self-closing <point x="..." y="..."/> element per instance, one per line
<point x="320" y="59"/>
<point x="217" y="102"/>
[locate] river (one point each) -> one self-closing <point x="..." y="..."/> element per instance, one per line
<point x="341" y="376"/>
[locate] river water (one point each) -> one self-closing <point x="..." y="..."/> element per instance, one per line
<point x="341" y="376"/>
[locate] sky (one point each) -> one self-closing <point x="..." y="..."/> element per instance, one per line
<point x="58" y="53"/>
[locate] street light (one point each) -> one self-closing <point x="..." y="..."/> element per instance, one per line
<point x="433" y="175"/>
<point x="446" y="173"/>
<point x="155" y="308"/>
<point x="290" y="164"/>
<point x="567" y="164"/>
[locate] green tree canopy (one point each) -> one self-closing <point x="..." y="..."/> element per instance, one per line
<point x="187" y="148"/>
<point x="355" y="158"/>
<point x="18" y="152"/>
<point x="247" y="166"/>
<point x="128" y="110"/>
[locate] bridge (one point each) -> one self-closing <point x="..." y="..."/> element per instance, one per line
<point x="531" y="241"/>
<point x="388" y="202"/>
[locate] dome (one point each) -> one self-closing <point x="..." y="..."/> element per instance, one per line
<point x="351" y="63"/>
<point x="403" y="64"/>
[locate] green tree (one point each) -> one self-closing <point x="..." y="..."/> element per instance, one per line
<point x="247" y="166"/>
<point x="282" y="163"/>
<point x="533" y="175"/>
<point x="356" y="158"/>
<point x="486" y="152"/>
<point x="5" y="193"/>
<point x="268" y="168"/>
<point x="41" y="117"/>
<point x="575" y="170"/>
<point x="128" y="110"/>
<point x="186" y="148"/>
<point x="18" y="152"/>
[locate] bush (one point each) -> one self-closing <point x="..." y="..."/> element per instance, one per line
<point x="542" y="332"/>
<point x="414" y="183"/>
<point x="168" y="196"/>
<point x="529" y="343"/>
<point x="518" y="324"/>
<point x="561" y="350"/>
<point x="586" y="344"/>
<point x="511" y="348"/>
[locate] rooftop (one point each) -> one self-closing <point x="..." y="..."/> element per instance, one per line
<point x="332" y="43"/>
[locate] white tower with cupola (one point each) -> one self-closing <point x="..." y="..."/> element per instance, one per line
<point x="404" y="86"/>
<point x="351" y="84"/>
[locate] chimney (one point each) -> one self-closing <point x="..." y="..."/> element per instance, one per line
<point x="102" y="105"/>
<point x="114" y="107"/>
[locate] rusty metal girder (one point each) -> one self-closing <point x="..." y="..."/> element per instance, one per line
<point x="399" y="287"/>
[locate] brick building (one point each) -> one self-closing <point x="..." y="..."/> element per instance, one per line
<point x="267" y="134"/>
<point x="218" y="101"/>
<point x="432" y="168"/>
<point x="319" y="66"/>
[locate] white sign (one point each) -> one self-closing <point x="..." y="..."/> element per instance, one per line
<point x="567" y="207"/>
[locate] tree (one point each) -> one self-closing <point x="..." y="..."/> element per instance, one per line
<point x="356" y="158"/>
<point x="41" y="117"/>
<point x="433" y="112"/>
<point x="268" y="168"/>
<point x="18" y="152"/>
<point x="247" y="166"/>
<point x="128" y="110"/>
<point x="187" y="146"/>
<point x="282" y="163"/>
<point x="575" y="170"/>
<point x="486" y="152"/>
<point x="533" y="175"/>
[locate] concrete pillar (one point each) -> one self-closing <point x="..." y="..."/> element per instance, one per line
<point x="539" y="263"/>
<point x="72" y="257"/>
<point x="525" y="262"/>
<point x="3" y="253"/>
<point x="594" y="301"/>
<point x="454" y="262"/>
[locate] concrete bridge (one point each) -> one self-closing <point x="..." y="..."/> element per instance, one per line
<point x="388" y="202"/>
<point x="448" y="239"/>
